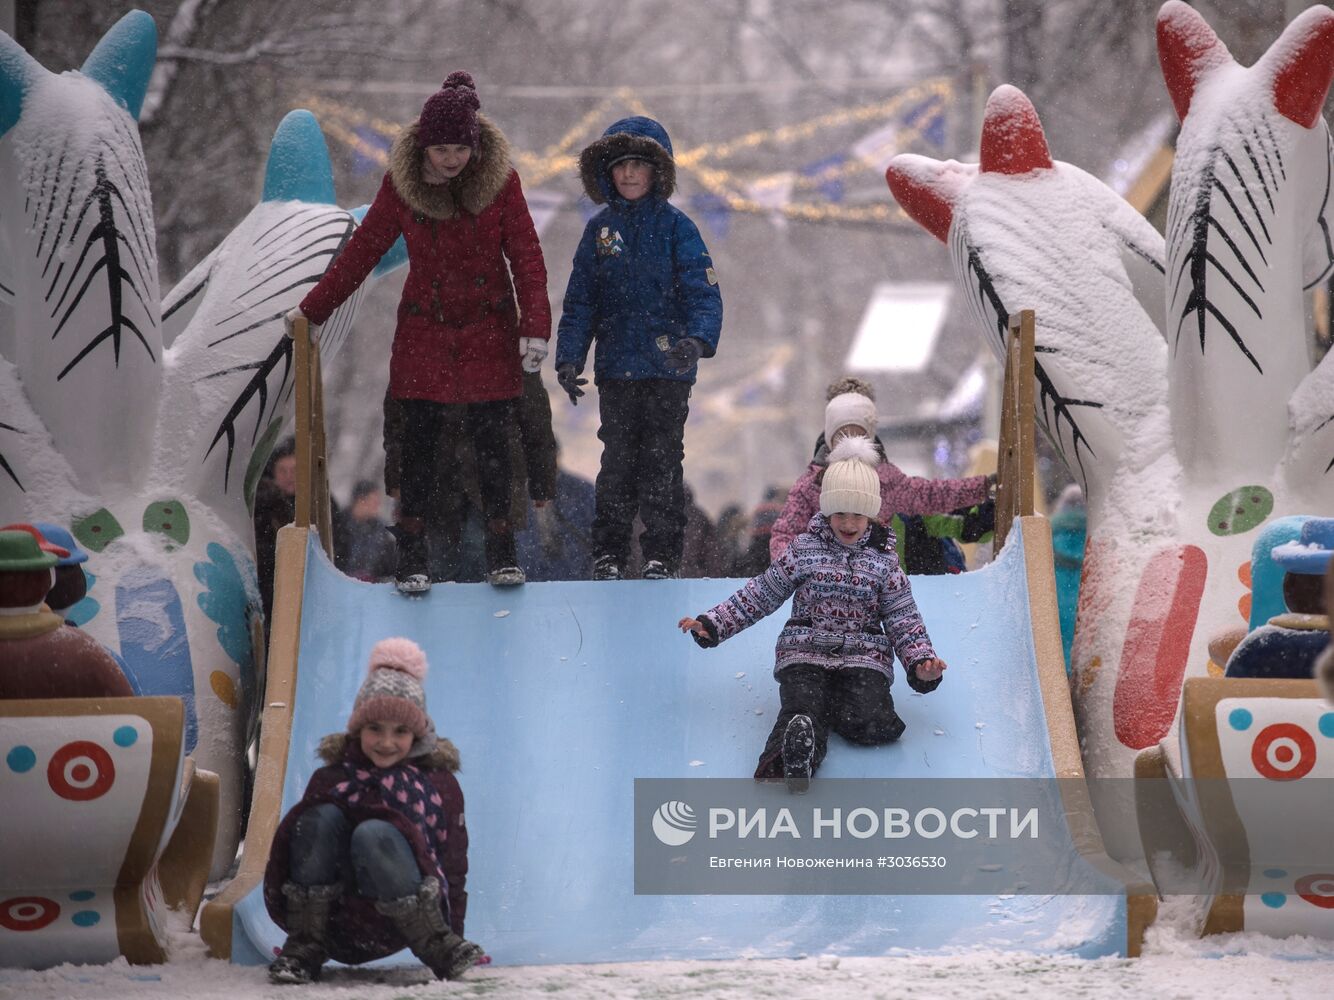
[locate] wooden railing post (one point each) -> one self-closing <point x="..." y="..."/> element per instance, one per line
<point x="312" y="472"/>
<point x="1016" y="465"/>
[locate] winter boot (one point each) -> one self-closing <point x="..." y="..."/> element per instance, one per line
<point x="656" y="569"/>
<point x="506" y="576"/>
<point x="607" y="568"/>
<point x="502" y="565"/>
<point x="303" y="953"/>
<point x="798" y="753"/>
<point x="411" y="576"/>
<point x="419" y="920"/>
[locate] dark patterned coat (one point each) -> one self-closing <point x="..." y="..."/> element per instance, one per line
<point x="357" y="933"/>
<point x="852" y="606"/>
<point x="460" y="318"/>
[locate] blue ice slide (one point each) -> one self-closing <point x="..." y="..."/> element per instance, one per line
<point x="560" y="695"/>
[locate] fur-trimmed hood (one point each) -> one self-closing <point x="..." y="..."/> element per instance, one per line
<point x="445" y="756"/>
<point x="476" y="187"/>
<point x="637" y="136"/>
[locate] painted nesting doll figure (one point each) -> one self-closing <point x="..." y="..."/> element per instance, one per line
<point x="1288" y="644"/>
<point x="40" y="656"/>
<point x="71" y="585"/>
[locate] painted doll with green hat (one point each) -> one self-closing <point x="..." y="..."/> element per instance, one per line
<point x="40" y="656"/>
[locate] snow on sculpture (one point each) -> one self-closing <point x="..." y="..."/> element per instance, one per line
<point x="1191" y="414"/>
<point x="1248" y="230"/>
<point x="140" y="424"/>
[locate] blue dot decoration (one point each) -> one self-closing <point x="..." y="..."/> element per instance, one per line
<point x="82" y="895"/>
<point x="1273" y="900"/>
<point x="1275" y="873"/>
<point x="125" y="736"/>
<point x="21" y="759"/>
<point x="1326" y="725"/>
<point x="1240" y="719"/>
<point x="86" y="918"/>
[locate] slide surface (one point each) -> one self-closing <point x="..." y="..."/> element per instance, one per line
<point x="559" y="695"/>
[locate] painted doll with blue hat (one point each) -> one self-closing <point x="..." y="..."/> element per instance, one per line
<point x="1288" y="644"/>
<point x="1324" y="664"/>
<point x="71" y="585"/>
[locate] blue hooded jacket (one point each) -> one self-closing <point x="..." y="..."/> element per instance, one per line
<point x="642" y="277"/>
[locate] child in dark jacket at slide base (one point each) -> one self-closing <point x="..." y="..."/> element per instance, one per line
<point x="375" y="855"/>
<point x="852" y="611"/>
<point x="642" y="286"/>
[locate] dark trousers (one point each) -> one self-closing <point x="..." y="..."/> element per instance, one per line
<point x="852" y="701"/>
<point x="326" y="847"/>
<point x="642" y="435"/>
<point x="487" y="425"/>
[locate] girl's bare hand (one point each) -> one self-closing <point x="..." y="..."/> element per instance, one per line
<point x="930" y="670"/>
<point x="693" y="625"/>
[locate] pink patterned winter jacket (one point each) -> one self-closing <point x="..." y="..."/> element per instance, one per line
<point x="900" y="493"/>
<point x="852" y="605"/>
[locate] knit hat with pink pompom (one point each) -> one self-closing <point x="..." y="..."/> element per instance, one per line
<point x="393" y="692"/>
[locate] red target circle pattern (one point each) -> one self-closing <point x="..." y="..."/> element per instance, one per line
<point x="1283" y="752"/>
<point x="81" y="771"/>
<point x="1318" y="889"/>
<point x="28" y="913"/>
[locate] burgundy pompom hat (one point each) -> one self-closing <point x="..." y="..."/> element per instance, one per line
<point x="449" y="116"/>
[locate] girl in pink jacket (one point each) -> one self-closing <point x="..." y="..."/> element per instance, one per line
<point x="853" y="414"/>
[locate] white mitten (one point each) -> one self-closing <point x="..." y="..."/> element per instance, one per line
<point x="289" y="322"/>
<point x="533" y="350"/>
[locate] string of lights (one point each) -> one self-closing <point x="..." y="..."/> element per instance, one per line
<point x="369" y="137"/>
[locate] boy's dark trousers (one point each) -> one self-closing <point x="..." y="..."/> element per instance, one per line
<point x="852" y="701"/>
<point x="642" y="434"/>
<point x="488" y="426"/>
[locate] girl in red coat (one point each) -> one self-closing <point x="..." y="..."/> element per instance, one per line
<point x="375" y="855"/>
<point x="465" y="332"/>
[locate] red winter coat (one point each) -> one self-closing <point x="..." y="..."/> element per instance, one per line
<point x="459" y="324"/>
<point x="357" y="932"/>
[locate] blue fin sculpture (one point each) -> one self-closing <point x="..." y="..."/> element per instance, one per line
<point x="299" y="167"/>
<point x="123" y="60"/>
<point x="17" y="69"/>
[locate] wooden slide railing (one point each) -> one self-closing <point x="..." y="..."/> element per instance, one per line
<point x="1015" y="463"/>
<point x="313" y="507"/>
<point x="313" y="510"/>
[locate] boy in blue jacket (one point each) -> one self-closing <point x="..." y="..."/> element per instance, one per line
<point x="643" y="286"/>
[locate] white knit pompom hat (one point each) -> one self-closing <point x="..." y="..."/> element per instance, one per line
<point x="849" y="408"/>
<point x="851" y="484"/>
<point x="393" y="692"/>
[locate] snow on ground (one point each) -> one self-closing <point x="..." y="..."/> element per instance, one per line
<point x="1175" y="964"/>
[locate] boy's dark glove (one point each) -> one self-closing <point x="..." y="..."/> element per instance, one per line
<point x="978" y="522"/>
<point x="706" y="642"/>
<point x="919" y="685"/>
<point x="685" y="353"/>
<point x="570" y="381"/>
